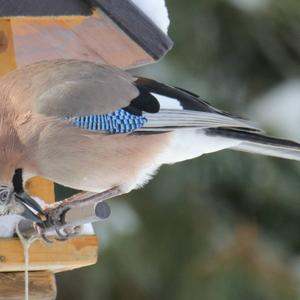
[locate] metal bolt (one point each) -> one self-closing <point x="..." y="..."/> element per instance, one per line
<point x="102" y="210"/>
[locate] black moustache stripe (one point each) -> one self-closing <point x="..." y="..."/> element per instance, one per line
<point x="18" y="181"/>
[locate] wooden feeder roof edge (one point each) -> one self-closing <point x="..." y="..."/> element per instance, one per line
<point x="124" y="13"/>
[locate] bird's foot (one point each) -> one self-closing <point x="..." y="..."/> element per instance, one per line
<point x="67" y="233"/>
<point x="85" y="207"/>
<point x="62" y="234"/>
<point x="55" y="216"/>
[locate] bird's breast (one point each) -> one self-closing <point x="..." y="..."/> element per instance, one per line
<point x="95" y="161"/>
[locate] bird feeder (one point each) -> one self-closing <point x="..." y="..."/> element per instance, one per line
<point x="114" y="32"/>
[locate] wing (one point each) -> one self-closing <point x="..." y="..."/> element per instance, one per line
<point x="67" y="88"/>
<point x="103" y="98"/>
<point x="178" y="108"/>
<point x="160" y="108"/>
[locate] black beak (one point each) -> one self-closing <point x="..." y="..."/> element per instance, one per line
<point x="32" y="210"/>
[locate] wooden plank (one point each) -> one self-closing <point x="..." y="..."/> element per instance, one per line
<point x="95" y="38"/>
<point x="56" y="257"/>
<point x="12" y="8"/>
<point x="41" y="286"/>
<point x="137" y="26"/>
<point x="7" y="54"/>
<point x="42" y="188"/>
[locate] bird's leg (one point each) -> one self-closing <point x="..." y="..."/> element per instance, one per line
<point x="31" y="209"/>
<point x="85" y="198"/>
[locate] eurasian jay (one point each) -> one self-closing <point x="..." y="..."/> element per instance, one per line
<point x="94" y="127"/>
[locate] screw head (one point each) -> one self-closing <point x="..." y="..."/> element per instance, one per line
<point x="102" y="210"/>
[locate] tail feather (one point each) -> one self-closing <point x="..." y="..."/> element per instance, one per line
<point x="167" y="119"/>
<point x="259" y="144"/>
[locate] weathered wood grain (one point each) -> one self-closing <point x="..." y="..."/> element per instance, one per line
<point x="41" y="286"/>
<point x="56" y="257"/>
<point x="7" y="53"/>
<point x="95" y="38"/>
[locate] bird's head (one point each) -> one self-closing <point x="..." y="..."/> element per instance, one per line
<point x="8" y="202"/>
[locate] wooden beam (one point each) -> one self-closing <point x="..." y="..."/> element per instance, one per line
<point x="7" y="53"/>
<point x="42" y="188"/>
<point x="14" y="8"/>
<point x="41" y="286"/>
<point x="56" y="257"/>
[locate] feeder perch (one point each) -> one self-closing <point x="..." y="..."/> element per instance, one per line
<point x="115" y="32"/>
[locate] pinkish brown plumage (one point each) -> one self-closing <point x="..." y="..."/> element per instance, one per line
<point x="93" y="127"/>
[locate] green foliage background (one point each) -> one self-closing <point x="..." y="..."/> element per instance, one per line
<point x="226" y="225"/>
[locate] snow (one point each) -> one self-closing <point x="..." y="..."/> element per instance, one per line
<point x="156" y="10"/>
<point x="279" y="109"/>
<point x="87" y="229"/>
<point x="8" y="224"/>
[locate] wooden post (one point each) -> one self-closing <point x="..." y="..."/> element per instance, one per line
<point x="42" y="188"/>
<point x="41" y="286"/>
<point x="7" y="54"/>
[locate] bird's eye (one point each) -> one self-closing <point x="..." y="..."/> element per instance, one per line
<point x="4" y="194"/>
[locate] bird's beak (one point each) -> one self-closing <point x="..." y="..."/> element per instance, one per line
<point x="32" y="210"/>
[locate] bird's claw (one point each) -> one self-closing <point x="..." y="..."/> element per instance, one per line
<point x="55" y="216"/>
<point x="55" y="219"/>
<point x="62" y="234"/>
<point x="67" y="233"/>
<point x="44" y="237"/>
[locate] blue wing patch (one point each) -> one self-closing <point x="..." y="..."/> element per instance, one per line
<point x="119" y="121"/>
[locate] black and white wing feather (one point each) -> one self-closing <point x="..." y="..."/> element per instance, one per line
<point x="174" y="108"/>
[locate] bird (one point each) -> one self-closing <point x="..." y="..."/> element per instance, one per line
<point x="94" y="127"/>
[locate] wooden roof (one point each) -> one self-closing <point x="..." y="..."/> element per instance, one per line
<point x="110" y="31"/>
